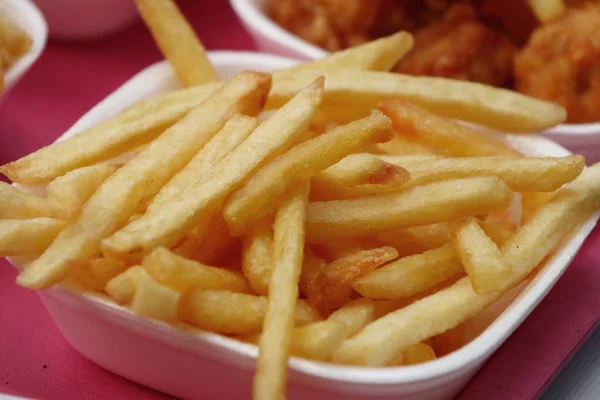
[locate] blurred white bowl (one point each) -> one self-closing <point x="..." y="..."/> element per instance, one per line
<point x="25" y="15"/>
<point x="87" y="19"/>
<point x="270" y="37"/>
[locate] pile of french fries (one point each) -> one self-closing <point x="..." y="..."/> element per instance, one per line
<point x="358" y="223"/>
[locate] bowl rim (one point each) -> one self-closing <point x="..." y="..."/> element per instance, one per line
<point x="253" y="16"/>
<point x="473" y="353"/>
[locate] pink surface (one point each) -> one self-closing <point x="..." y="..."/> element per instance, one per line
<point x="67" y="81"/>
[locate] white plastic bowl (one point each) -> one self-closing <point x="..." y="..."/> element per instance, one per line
<point x="25" y="15"/>
<point x="192" y="364"/>
<point x="87" y="19"/>
<point x="270" y="37"/>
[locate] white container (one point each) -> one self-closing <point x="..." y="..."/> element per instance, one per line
<point x="87" y="19"/>
<point x="193" y="364"/>
<point x="270" y="37"/>
<point x="24" y="14"/>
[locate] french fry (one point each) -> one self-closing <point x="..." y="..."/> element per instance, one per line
<point x="418" y="239"/>
<point x="332" y="251"/>
<point x="17" y="204"/>
<point x="234" y="132"/>
<point x="360" y="169"/>
<point x="418" y="353"/>
<point x="481" y="258"/>
<point x="122" y="287"/>
<point x="401" y="146"/>
<point x="409" y="160"/>
<point x="201" y="202"/>
<point x="135" y="126"/>
<point x="233" y="313"/>
<point x="119" y="197"/>
<point x="499" y="228"/>
<point x="422" y="205"/>
<point x="529" y="174"/>
<point x="207" y="246"/>
<point x="468" y="101"/>
<point x="257" y="256"/>
<point x="28" y="236"/>
<point x="379" y="341"/>
<point x="177" y="41"/>
<point x="331" y="288"/>
<point x="443" y="134"/>
<point x="263" y="191"/>
<point x="355" y="315"/>
<point x="547" y="10"/>
<point x="531" y="202"/>
<point x="180" y="274"/>
<point x="377" y="55"/>
<point x="74" y="188"/>
<point x="288" y="250"/>
<point x="311" y="267"/>
<point x="156" y="301"/>
<point x="96" y="273"/>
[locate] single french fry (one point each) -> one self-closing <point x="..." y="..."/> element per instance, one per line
<point x="401" y="146"/>
<point x="233" y="313"/>
<point x="263" y="191"/>
<point x="418" y="353"/>
<point x="96" y="273"/>
<point x="28" y="236"/>
<point x="332" y="251"/>
<point x="547" y="10"/>
<point x="288" y="250"/>
<point x="527" y="174"/>
<point x="180" y="274"/>
<point x="201" y="202"/>
<point x="499" y="228"/>
<point x="331" y="288"/>
<point x="379" y="341"/>
<point x="311" y="267"/>
<point x="468" y="101"/>
<point x="177" y="41"/>
<point x="74" y="188"/>
<point x="206" y="246"/>
<point x="156" y="301"/>
<point x="481" y="258"/>
<point x="120" y="196"/>
<point x="418" y="239"/>
<point x="441" y="133"/>
<point x="17" y="204"/>
<point x="377" y="55"/>
<point x="122" y="287"/>
<point x="422" y="205"/>
<point x="135" y="126"/>
<point x="355" y="315"/>
<point x="234" y="132"/>
<point x="257" y="256"/>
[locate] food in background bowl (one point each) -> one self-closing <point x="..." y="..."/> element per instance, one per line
<point x="546" y="49"/>
<point x="14" y="44"/>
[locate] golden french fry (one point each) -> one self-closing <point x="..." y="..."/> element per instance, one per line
<point x="547" y="10"/>
<point x="531" y="202"/>
<point x="311" y="267"/>
<point x="377" y="55"/>
<point x="180" y="274"/>
<point x="234" y="132"/>
<point x="17" y="204"/>
<point x="418" y="353"/>
<point x="207" y="247"/>
<point x="401" y="146"/>
<point x="449" y="341"/>
<point x="418" y="239"/>
<point x="481" y="258"/>
<point x="499" y="227"/>
<point x="177" y="41"/>
<point x="422" y="205"/>
<point x="379" y="341"/>
<point x="119" y="197"/>
<point x="96" y="273"/>
<point x="156" y="301"/>
<point x="122" y="287"/>
<point x="201" y="202"/>
<point x="233" y="313"/>
<point x="331" y="288"/>
<point x="288" y="250"/>
<point x="74" y="188"/>
<point x="135" y="126"/>
<point x="441" y="133"/>
<point x="27" y="236"/>
<point x="263" y="191"/>
<point x="332" y="251"/>
<point x="468" y="101"/>
<point x="257" y="256"/>
<point x="355" y="315"/>
<point x="544" y="174"/>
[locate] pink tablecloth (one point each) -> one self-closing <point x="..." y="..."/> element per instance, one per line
<point x="70" y="78"/>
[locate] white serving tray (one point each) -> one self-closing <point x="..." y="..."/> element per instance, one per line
<point x="269" y="37"/>
<point x="198" y="365"/>
<point x="25" y="15"/>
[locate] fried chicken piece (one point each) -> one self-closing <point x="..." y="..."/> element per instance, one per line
<point x="461" y="47"/>
<point x="561" y="63"/>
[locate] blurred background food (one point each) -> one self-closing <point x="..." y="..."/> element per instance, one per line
<point x="548" y="49"/>
<point x="14" y="44"/>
